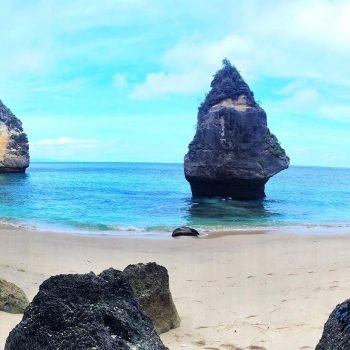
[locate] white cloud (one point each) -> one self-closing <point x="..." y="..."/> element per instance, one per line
<point x="62" y="141"/>
<point x="120" y="81"/>
<point x="296" y="40"/>
<point x="188" y="66"/>
<point x="339" y="112"/>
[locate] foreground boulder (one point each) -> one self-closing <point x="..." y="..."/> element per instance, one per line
<point x="185" y="231"/>
<point x="85" y="312"/>
<point x="336" y="332"/>
<point x="150" y="284"/>
<point x="12" y="298"/>
<point x="233" y="153"/>
<point x="14" y="149"/>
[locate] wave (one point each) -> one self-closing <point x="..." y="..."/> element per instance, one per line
<point x="152" y="231"/>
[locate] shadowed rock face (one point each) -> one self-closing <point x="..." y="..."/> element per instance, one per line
<point x="14" y="149"/>
<point x="336" y="332"/>
<point x="150" y="284"/>
<point x="233" y="153"/>
<point x="81" y="312"/>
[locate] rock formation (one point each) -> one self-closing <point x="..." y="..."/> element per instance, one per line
<point x="185" y="231"/>
<point x="150" y="284"/>
<point x="336" y="332"/>
<point x="12" y="298"/>
<point x="233" y="153"/>
<point x="14" y="149"/>
<point x="80" y="312"/>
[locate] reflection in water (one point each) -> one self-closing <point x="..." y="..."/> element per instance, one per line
<point x="13" y="179"/>
<point x="227" y="212"/>
<point x="12" y="196"/>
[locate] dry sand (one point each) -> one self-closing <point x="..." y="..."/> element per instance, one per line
<point x="270" y="290"/>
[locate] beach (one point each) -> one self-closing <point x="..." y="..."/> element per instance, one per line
<point x="264" y="289"/>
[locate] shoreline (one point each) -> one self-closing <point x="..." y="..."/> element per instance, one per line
<point x="268" y="290"/>
<point x="205" y="233"/>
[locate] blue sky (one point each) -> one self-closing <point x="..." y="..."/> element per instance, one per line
<point x="120" y="80"/>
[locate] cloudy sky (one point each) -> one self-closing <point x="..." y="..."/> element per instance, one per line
<point x="120" y="80"/>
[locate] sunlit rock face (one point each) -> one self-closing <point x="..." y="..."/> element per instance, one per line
<point x="14" y="148"/>
<point x="233" y="153"/>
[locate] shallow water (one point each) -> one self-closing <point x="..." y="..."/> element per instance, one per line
<point x="109" y="197"/>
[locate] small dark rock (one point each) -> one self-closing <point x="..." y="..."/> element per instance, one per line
<point x="185" y="231"/>
<point x="85" y="312"/>
<point x="150" y="284"/>
<point x="336" y="332"/>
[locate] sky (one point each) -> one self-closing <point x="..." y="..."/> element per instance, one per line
<point x="121" y="80"/>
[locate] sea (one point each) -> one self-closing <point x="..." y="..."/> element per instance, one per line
<point x="144" y="198"/>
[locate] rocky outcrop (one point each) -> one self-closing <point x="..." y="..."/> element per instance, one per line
<point x="14" y="149"/>
<point x="185" y="231"/>
<point x="336" y="332"/>
<point x="12" y="298"/>
<point x="233" y="153"/>
<point x="150" y="284"/>
<point x="80" y="312"/>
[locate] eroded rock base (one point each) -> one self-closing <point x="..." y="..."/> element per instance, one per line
<point x="12" y="170"/>
<point x="234" y="188"/>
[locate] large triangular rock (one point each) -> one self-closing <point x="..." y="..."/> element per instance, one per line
<point x="233" y="153"/>
<point x="14" y="149"/>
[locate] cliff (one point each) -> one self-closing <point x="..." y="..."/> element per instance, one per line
<point x="14" y="148"/>
<point x="233" y="153"/>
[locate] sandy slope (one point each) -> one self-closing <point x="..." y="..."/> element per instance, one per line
<point x="269" y="290"/>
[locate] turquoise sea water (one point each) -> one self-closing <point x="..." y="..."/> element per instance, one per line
<point x="110" y="197"/>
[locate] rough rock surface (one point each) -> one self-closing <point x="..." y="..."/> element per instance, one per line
<point x="12" y="298"/>
<point x="336" y="332"/>
<point x="185" y="231"/>
<point x="233" y="153"/>
<point x="85" y="312"/>
<point x="14" y="149"/>
<point x="150" y="284"/>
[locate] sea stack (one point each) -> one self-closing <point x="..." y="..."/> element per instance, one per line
<point x="233" y="153"/>
<point x="14" y="148"/>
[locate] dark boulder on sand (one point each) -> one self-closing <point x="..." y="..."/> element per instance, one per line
<point x="185" y="231"/>
<point x="336" y="332"/>
<point x="14" y="149"/>
<point x="233" y="153"/>
<point x="150" y="283"/>
<point x="81" y="312"/>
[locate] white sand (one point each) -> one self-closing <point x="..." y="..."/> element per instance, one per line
<point x="269" y="290"/>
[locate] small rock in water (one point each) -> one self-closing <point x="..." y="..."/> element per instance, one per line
<point x="185" y="231"/>
<point x="150" y="284"/>
<point x="12" y="298"/>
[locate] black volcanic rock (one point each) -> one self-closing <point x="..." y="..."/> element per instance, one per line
<point x="233" y="153"/>
<point x="14" y="149"/>
<point x="150" y="283"/>
<point x="85" y="312"/>
<point x="336" y="332"/>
